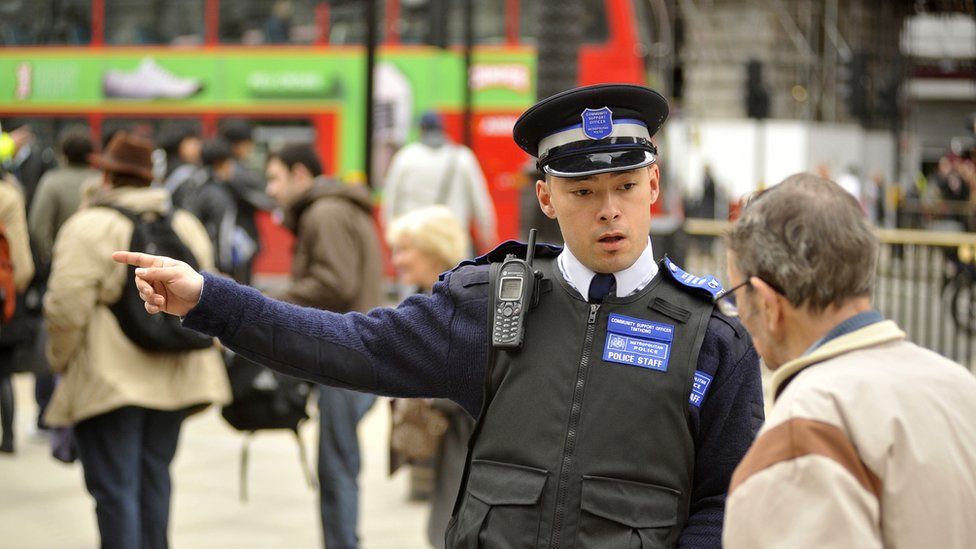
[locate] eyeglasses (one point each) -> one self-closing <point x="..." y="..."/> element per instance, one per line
<point x="725" y="300"/>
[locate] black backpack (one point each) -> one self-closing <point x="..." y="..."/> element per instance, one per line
<point x="153" y="233"/>
<point x="264" y="399"/>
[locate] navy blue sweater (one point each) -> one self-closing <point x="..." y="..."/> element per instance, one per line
<point x="436" y="346"/>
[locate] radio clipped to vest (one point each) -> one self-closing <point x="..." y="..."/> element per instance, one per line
<point x="513" y="294"/>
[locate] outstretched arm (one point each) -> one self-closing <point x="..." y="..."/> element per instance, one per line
<point x="429" y="346"/>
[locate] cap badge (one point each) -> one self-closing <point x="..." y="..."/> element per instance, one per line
<point x="597" y="123"/>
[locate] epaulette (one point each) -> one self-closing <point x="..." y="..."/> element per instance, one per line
<point x="707" y="284"/>
<point x="510" y="247"/>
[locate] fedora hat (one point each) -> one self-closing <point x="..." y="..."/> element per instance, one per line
<point x="126" y="154"/>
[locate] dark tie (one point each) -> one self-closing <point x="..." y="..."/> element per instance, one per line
<point x="601" y="286"/>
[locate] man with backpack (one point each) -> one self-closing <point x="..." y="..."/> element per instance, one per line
<point x="126" y="385"/>
<point x="208" y="196"/>
<point x="247" y="186"/>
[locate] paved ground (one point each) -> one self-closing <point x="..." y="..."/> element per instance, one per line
<point x="43" y="503"/>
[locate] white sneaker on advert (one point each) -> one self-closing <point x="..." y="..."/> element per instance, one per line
<point x="149" y="81"/>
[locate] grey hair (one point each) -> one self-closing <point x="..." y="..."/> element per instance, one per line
<point x="809" y="239"/>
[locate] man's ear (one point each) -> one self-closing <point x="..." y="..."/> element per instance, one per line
<point x="655" y="174"/>
<point x="300" y="173"/>
<point x="772" y="304"/>
<point x="544" y="193"/>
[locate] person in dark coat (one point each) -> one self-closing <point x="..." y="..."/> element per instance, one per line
<point x="207" y="196"/>
<point x="247" y="187"/>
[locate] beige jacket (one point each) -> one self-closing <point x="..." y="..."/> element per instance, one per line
<point x="101" y="369"/>
<point x="871" y="444"/>
<point x="13" y="214"/>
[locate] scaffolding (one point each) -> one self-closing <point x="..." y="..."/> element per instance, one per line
<point x="821" y="60"/>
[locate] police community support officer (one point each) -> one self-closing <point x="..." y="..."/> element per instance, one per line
<point x="620" y="420"/>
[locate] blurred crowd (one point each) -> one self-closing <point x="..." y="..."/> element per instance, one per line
<point x="945" y="198"/>
<point x="116" y="403"/>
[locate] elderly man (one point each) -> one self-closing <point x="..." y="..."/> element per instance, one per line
<point x="871" y="441"/>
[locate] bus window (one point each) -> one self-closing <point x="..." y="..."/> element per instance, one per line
<point x="268" y="21"/>
<point x="416" y="22"/>
<point x="45" y="131"/>
<point x="272" y="135"/>
<point x="489" y="21"/>
<point x="45" y="22"/>
<point x="176" y="22"/>
<point x="347" y="24"/>
<point x="594" y="21"/>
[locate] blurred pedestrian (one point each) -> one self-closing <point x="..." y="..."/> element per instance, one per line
<point x="277" y="28"/>
<point x="865" y="425"/>
<point x="59" y="191"/>
<point x="31" y="159"/>
<point x="208" y="196"/>
<point x="336" y="267"/>
<point x="58" y="196"/>
<point x="13" y="228"/>
<point x="426" y="243"/>
<point x="248" y="188"/>
<point x="126" y="404"/>
<point x="182" y="147"/>
<point x="709" y="197"/>
<point x="436" y="171"/>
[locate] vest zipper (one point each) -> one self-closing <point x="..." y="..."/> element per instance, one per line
<point x="571" y="433"/>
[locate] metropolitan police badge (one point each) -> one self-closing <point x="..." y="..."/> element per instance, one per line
<point x="597" y="123"/>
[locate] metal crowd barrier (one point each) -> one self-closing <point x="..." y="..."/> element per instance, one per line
<point x="926" y="282"/>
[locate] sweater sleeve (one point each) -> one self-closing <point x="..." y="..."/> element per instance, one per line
<point x="723" y="427"/>
<point x="430" y="346"/>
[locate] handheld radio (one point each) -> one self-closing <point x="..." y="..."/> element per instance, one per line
<point x="516" y="285"/>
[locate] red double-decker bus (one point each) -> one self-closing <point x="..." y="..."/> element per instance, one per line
<point x="296" y="69"/>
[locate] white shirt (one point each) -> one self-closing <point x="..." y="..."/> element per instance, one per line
<point x="629" y="281"/>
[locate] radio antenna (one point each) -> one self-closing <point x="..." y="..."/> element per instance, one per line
<point x="530" y="253"/>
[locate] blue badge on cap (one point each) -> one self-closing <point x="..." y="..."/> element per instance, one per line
<point x="699" y="388"/>
<point x="597" y="123"/>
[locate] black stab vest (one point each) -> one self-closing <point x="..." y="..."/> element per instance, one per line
<point x="572" y="451"/>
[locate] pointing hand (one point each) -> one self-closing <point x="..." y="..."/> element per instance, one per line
<point x="165" y="284"/>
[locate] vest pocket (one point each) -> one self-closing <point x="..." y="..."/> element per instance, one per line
<point x="500" y="509"/>
<point x="626" y="514"/>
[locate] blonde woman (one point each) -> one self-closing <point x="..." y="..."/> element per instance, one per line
<point x="425" y="243"/>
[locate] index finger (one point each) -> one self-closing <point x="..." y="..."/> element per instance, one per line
<point x="139" y="259"/>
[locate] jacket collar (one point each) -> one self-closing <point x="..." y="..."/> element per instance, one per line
<point x="869" y="336"/>
<point x="138" y="199"/>
<point x="322" y="187"/>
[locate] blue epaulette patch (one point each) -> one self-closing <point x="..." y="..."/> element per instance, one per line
<point x="708" y="283"/>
